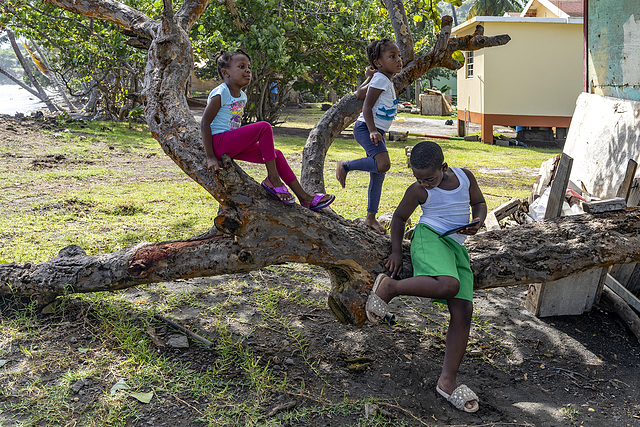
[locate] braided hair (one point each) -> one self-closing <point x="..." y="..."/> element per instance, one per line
<point x="223" y="59"/>
<point x="375" y="49"/>
<point x="426" y="155"/>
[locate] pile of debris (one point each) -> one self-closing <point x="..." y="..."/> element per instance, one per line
<point x="604" y="142"/>
<point x="603" y="179"/>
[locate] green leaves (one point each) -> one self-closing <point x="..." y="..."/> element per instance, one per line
<point x="289" y="38"/>
<point x="458" y="56"/>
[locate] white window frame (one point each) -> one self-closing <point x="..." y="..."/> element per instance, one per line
<point x="468" y="68"/>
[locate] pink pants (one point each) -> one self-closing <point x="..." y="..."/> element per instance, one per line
<point x="253" y="143"/>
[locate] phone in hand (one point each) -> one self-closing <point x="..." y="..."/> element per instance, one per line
<point x="456" y="229"/>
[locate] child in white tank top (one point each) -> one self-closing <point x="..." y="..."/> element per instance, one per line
<point x="441" y="266"/>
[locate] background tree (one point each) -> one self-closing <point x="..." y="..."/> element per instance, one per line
<point x="494" y="7"/>
<point x="300" y="45"/>
<point x="251" y="230"/>
<point x="90" y="56"/>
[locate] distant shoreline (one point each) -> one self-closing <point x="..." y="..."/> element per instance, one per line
<point x="18" y="100"/>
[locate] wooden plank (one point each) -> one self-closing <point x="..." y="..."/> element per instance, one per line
<point x="622" y="273"/>
<point x="607" y="205"/>
<point x="622" y="292"/>
<point x="545" y="175"/>
<point x="569" y="296"/>
<point x="506" y="209"/>
<point x="627" y="182"/>
<point x="634" y="193"/>
<point x="559" y="187"/>
<point x="634" y="280"/>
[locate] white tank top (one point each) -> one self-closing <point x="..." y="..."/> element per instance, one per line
<point x="446" y="209"/>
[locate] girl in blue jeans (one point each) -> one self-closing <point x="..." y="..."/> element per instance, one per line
<point x="378" y="111"/>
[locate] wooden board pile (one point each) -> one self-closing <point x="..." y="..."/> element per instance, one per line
<point x="576" y="294"/>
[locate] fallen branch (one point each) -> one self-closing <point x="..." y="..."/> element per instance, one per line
<point x="181" y="328"/>
<point x="283" y="407"/>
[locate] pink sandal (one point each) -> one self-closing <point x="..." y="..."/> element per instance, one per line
<point x="316" y="203"/>
<point x="277" y="191"/>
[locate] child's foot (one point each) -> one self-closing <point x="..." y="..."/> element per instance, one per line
<point x="461" y="397"/>
<point x="377" y="305"/>
<point x="373" y="223"/>
<point x="318" y="201"/>
<point x="279" y="192"/>
<point x="341" y="173"/>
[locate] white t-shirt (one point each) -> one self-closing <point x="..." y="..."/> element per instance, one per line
<point x="386" y="107"/>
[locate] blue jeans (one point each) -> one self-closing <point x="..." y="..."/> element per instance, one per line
<point x="368" y="164"/>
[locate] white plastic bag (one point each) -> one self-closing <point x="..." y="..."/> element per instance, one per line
<point x="538" y="208"/>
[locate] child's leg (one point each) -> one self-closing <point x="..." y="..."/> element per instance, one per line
<point x="376" y="163"/>
<point x="252" y="143"/>
<point x="377" y="159"/>
<point x="255" y="144"/>
<point x="439" y="287"/>
<point x="457" y="337"/>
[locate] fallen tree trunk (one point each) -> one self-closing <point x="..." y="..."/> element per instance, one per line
<point x="538" y="252"/>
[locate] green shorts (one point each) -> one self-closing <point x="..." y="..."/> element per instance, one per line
<point x="433" y="256"/>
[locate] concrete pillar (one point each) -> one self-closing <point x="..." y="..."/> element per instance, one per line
<point x="487" y="130"/>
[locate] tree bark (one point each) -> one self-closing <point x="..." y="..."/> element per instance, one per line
<point x="400" y="23"/>
<point x="538" y="252"/>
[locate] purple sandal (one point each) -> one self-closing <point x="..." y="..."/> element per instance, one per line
<point x="316" y="204"/>
<point x="276" y="191"/>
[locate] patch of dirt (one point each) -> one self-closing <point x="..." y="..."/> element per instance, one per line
<point x="557" y="371"/>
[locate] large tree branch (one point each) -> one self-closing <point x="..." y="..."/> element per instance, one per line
<point x="133" y="21"/>
<point x="190" y="12"/>
<point x="401" y="29"/>
<point x="259" y="232"/>
<point x="538" y="252"/>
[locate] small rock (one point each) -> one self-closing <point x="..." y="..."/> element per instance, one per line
<point x="370" y="410"/>
<point x="288" y="361"/>
<point x="73" y="340"/>
<point x="178" y="341"/>
<point x="77" y="386"/>
<point x="328" y="339"/>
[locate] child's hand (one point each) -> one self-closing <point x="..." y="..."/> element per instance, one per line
<point x="394" y="264"/>
<point x="473" y="229"/>
<point x="212" y="163"/>
<point x="376" y="138"/>
<point x="369" y="71"/>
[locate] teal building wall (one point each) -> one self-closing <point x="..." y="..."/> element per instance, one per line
<point x="613" y="48"/>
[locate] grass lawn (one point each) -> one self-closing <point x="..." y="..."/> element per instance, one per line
<point x="105" y="187"/>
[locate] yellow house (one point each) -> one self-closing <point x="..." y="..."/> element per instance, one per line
<point x="535" y="79"/>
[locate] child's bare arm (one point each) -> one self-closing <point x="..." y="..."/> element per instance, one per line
<point x="367" y="111"/>
<point x="414" y="196"/>
<point x="361" y="92"/>
<point x="477" y="203"/>
<point x="208" y="115"/>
